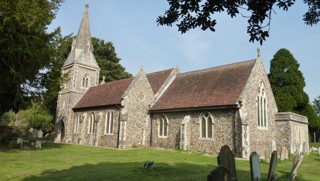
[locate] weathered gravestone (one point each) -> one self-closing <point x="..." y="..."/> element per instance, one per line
<point x="272" y="167"/>
<point x="20" y="142"/>
<point x="40" y="134"/>
<point x="255" y="167"/>
<point x="284" y="153"/>
<point x="267" y="155"/>
<point x="226" y="159"/>
<point x="38" y="144"/>
<point x="33" y="133"/>
<point x="220" y="173"/>
<point x="297" y="159"/>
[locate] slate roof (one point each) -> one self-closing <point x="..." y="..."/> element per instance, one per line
<point x="110" y="93"/>
<point x="217" y="86"/>
<point x="157" y="79"/>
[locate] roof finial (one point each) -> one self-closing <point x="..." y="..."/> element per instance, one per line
<point x="258" y="50"/>
<point x="87" y="7"/>
<point x="103" y="80"/>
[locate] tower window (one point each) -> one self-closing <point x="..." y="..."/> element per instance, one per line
<point x="85" y="81"/>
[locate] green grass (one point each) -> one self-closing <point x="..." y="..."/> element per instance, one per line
<point x="76" y="162"/>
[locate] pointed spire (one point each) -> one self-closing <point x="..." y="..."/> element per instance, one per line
<point x="82" y="49"/>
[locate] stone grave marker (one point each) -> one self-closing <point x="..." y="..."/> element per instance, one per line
<point x="20" y="142"/>
<point x="267" y="155"/>
<point x="284" y="153"/>
<point x="272" y="167"/>
<point x="273" y="145"/>
<point x="220" y="173"/>
<point x="226" y="159"/>
<point x="38" y="144"/>
<point x="255" y="167"/>
<point x="295" y="166"/>
<point x="40" y="134"/>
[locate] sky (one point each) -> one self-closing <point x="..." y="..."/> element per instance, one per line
<point x="132" y="28"/>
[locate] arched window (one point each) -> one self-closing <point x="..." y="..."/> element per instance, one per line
<point x="262" y="107"/>
<point x="91" y="124"/>
<point x="206" y="126"/>
<point x="163" y="126"/>
<point x="85" y="81"/>
<point x="109" y="123"/>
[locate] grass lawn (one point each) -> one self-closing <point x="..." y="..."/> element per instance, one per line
<point x="76" y="162"/>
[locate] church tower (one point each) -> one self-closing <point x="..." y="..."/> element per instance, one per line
<point x="80" y="71"/>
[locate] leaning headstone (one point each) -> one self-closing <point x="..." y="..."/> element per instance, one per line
<point x="255" y="167"/>
<point x="219" y="173"/>
<point x="226" y="159"/>
<point x="272" y="167"/>
<point x="295" y="167"/>
<point x="40" y="134"/>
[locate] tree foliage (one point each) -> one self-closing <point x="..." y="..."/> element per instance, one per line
<point x="287" y="83"/>
<point x="35" y="116"/>
<point x="25" y="47"/>
<point x="190" y="14"/>
<point x="316" y="105"/>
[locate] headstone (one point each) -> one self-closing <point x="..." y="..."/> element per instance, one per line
<point x="273" y="145"/>
<point x="219" y="173"/>
<point x="319" y="150"/>
<point x="255" y="167"/>
<point x="226" y="159"/>
<point x="272" y="167"/>
<point x="267" y="155"/>
<point x="33" y="133"/>
<point x="295" y="167"/>
<point x="40" y="134"/>
<point x="284" y="153"/>
<point x="38" y="144"/>
<point x="20" y="142"/>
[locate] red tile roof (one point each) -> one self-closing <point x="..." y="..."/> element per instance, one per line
<point x="110" y="93"/>
<point x="217" y="86"/>
<point x="103" y="95"/>
<point x="157" y="79"/>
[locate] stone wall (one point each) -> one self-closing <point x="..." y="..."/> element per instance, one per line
<point x="259" y="138"/>
<point x="222" y="130"/>
<point x="292" y="132"/>
<point x="136" y="101"/>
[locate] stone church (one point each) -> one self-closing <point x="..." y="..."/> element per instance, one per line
<point x="200" y="110"/>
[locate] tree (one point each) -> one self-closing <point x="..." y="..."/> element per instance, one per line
<point x="316" y="105"/>
<point x="190" y="14"/>
<point x="25" y="48"/>
<point x="287" y="84"/>
<point x="105" y="55"/>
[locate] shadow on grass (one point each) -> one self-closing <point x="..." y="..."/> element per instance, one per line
<point x="132" y="171"/>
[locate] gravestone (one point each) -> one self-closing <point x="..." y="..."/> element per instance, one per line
<point x="40" y="134"/>
<point x="284" y="153"/>
<point x="272" y="167"/>
<point x="38" y="144"/>
<point x="267" y="155"/>
<point x="295" y="166"/>
<point x="226" y="159"/>
<point x="255" y="167"/>
<point x="220" y="173"/>
<point x="33" y="133"/>
<point x="20" y="142"/>
<point x="273" y="145"/>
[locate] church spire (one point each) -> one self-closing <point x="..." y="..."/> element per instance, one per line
<point x="82" y="49"/>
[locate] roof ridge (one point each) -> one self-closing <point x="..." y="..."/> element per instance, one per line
<point x="220" y="66"/>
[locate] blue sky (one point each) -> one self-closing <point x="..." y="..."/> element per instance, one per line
<point x="131" y="26"/>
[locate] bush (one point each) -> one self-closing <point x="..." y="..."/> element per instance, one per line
<point x="13" y="144"/>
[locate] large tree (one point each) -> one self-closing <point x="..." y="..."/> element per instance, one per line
<point x="107" y="59"/>
<point x="190" y="14"/>
<point x="287" y="83"/>
<point x="25" y="47"/>
<point x="316" y="105"/>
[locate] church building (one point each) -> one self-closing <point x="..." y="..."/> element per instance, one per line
<point x="200" y="110"/>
